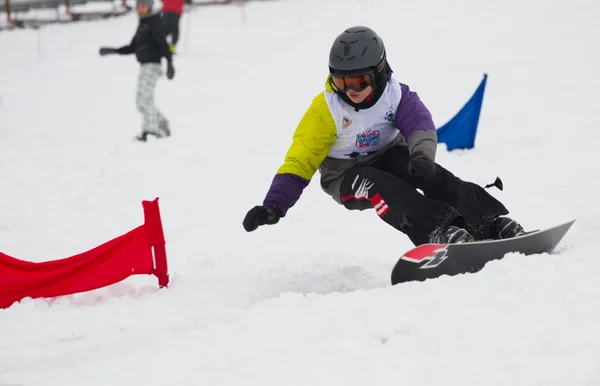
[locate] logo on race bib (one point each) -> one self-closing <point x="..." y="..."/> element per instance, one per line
<point x="368" y="138"/>
<point x="346" y="122"/>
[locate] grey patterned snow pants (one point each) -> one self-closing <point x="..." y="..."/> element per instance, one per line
<point x="153" y="120"/>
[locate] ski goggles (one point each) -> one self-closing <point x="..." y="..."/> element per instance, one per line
<point x="356" y="82"/>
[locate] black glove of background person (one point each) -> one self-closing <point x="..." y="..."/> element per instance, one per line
<point x="107" y="51"/>
<point x="261" y="215"/>
<point x="419" y="165"/>
<point x="170" y="70"/>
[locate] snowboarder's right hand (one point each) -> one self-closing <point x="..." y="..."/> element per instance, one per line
<point x="107" y="51"/>
<point x="261" y="215"/>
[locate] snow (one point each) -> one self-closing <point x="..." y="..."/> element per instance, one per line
<point x="307" y="301"/>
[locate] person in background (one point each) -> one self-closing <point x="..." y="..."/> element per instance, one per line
<point x="172" y="10"/>
<point x="150" y="46"/>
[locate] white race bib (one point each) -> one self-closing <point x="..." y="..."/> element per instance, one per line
<point x="364" y="131"/>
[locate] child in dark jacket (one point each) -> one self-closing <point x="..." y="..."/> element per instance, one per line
<point x="150" y="46"/>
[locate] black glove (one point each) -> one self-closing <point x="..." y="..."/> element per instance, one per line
<point x="107" y="51"/>
<point x="170" y="70"/>
<point x="261" y="215"/>
<point x="419" y="165"/>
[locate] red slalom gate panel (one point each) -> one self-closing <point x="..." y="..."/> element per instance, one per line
<point x="140" y="251"/>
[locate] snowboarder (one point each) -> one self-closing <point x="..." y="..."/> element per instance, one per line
<point x="150" y="46"/>
<point x="172" y="10"/>
<point x="374" y="143"/>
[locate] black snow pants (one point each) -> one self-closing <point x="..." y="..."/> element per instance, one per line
<point x="386" y="186"/>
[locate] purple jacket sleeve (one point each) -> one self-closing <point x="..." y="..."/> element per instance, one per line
<point x="285" y="190"/>
<point x="411" y="114"/>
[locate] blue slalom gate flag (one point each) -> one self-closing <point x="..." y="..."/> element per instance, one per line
<point x="460" y="131"/>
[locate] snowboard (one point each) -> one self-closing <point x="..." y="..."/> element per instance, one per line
<point x="429" y="261"/>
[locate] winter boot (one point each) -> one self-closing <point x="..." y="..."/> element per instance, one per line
<point x="505" y="228"/>
<point x="450" y="235"/>
<point x="142" y="137"/>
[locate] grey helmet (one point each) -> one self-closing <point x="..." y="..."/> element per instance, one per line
<point x="359" y="49"/>
<point x="149" y="3"/>
<point x="154" y="9"/>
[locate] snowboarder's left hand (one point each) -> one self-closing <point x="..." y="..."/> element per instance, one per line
<point x="420" y="165"/>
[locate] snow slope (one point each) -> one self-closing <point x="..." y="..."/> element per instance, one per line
<point x="307" y="301"/>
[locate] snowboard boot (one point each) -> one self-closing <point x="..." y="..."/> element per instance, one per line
<point x="450" y="235"/>
<point x="505" y="228"/>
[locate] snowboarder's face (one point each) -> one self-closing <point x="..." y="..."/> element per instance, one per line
<point x="358" y="97"/>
